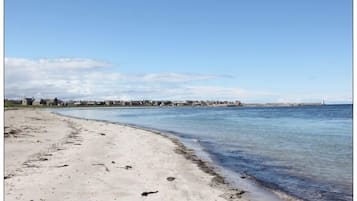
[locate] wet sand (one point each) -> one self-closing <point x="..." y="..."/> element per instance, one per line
<point x="52" y="157"/>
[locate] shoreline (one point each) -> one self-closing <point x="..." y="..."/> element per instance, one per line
<point x="73" y="154"/>
<point x="220" y="180"/>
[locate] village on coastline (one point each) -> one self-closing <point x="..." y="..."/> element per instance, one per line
<point x="55" y="102"/>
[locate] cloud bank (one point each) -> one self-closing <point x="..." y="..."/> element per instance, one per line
<point x="81" y="78"/>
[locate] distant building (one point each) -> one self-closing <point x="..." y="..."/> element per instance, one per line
<point x="27" y="101"/>
<point x="108" y="102"/>
<point x="39" y="102"/>
<point x="117" y="102"/>
<point x="52" y="102"/>
<point x="78" y="103"/>
<point x="100" y="103"/>
<point x="190" y="103"/>
<point x="91" y="102"/>
<point x="238" y="103"/>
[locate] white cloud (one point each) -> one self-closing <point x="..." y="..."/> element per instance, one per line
<point x="225" y="92"/>
<point x="175" y="77"/>
<point x="54" y="64"/>
<point x="78" y="78"/>
<point x="210" y="92"/>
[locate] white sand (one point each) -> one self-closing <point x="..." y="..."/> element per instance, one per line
<point x="50" y="157"/>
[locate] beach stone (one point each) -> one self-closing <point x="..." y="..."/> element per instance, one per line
<point x="170" y="178"/>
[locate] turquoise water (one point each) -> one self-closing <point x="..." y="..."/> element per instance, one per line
<point x="304" y="151"/>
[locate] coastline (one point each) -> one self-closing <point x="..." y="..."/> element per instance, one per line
<point x="217" y="181"/>
<point x="253" y="189"/>
<point x="72" y="155"/>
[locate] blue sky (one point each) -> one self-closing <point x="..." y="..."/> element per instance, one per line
<point x="254" y="51"/>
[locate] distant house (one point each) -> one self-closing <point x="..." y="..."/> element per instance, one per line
<point x="27" y="101"/>
<point x="91" y="102"/>
<point x="117" y="102"/>
<point x="108" y="102"/>
<point x="69" y="103"/>
<point x="99" y="102"/>
<point x="136" y="103"/>
<point x="39" y="102"/>
<point x="126" y="103"/>
<point x="52" y="102"/>
<point x="78" y="103"/>
<point x="238" y="103"/>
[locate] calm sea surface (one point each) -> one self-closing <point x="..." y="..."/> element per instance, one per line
<point x="303" y="151"/>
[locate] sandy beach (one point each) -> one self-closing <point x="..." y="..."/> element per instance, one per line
<point x="52" y="157"/>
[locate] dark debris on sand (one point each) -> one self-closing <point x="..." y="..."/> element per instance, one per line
<point x="233" y="194"/>
<point x="170" y="178"/>
<point x="147" y="193"/>
<point x="59" y="166"/>
<point x="9" y="132"/>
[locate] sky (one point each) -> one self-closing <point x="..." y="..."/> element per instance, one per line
<point x="253" y="51"/>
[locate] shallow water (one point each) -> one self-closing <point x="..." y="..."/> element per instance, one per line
<point x="303" y="151"/>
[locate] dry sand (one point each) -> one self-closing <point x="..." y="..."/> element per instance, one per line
<point x="51" y="157"/>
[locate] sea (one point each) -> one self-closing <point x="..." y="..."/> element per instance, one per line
<point x="302" y="153"/>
